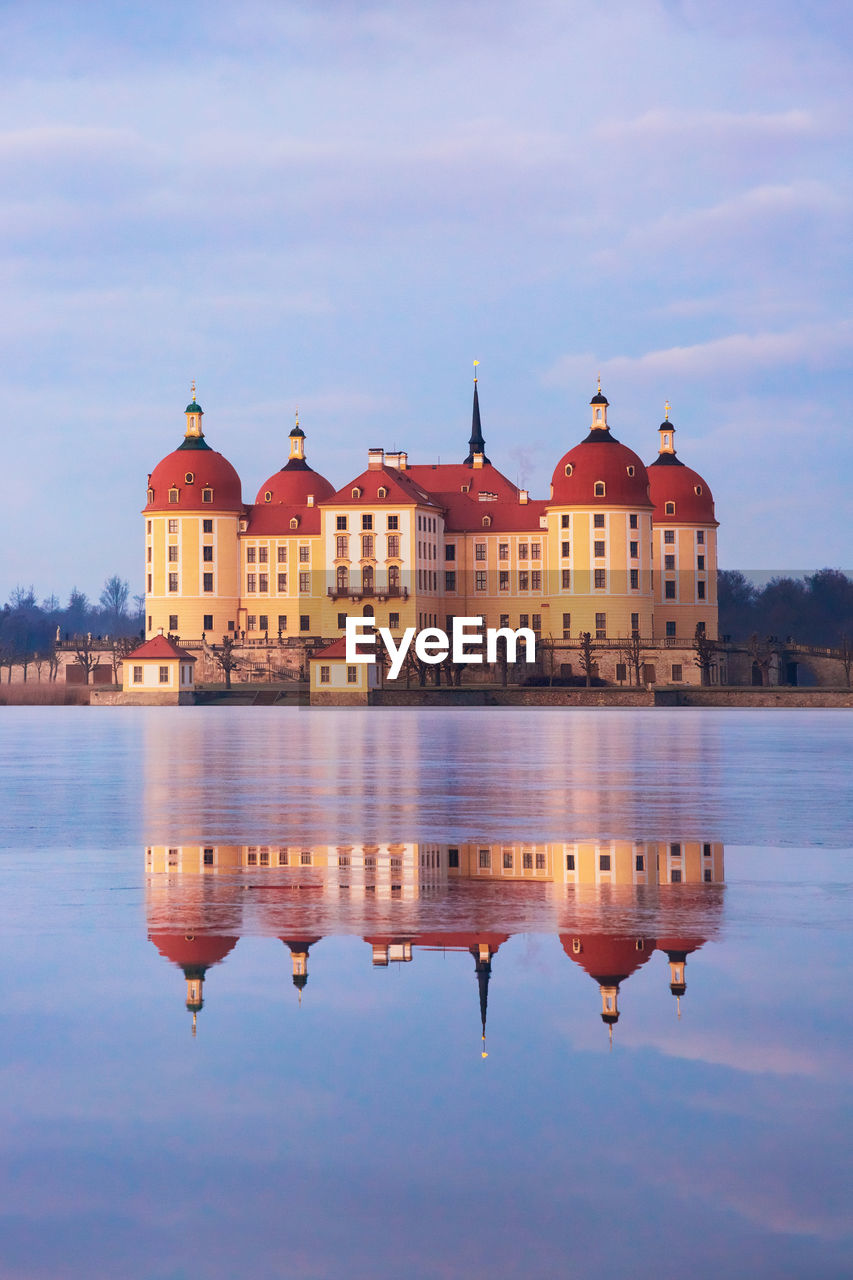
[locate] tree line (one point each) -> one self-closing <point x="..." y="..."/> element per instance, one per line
<point x="816" y="609"/>
<point x="30" y="630"/>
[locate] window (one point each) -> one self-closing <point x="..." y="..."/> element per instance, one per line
<point x="282" y="622"/>
<point x="567" y="626"/>
<point x="294" y="522"/>
<point x="394" y="545"/>
<point x="263" y="555"/>
<point x="566" y="579"/>
<point x="251" y="554"/>
<point x="675" y="876"/>
<point x="450" y="551"/>
<point x="382" y="491"/>
<point x="633" y="522"/>
<point x="700" y="590"/>
<point x="669" y="590"/>
<point x="207" y="526"/>
<point x="621" y="672"/>
<point x="281" y="555"/>
<point x="707" y="875"/>
<point x="503" y="580"/>
<point x="263" y="622"/>
<point x="367" y="546"/>
<point x="669" y="537"/>
<point x="305" y="858"/>
<point x="137" y="675"/>
<point x="569" y="468"/>
<point x="670" y="630"/>
<point x="700" y="628"/>
<point x="342" y="621"/>
<point x="208" y="582"/>
<point x="251" y="582"/>
<point x="305" y="582"/>
<point x="527" y="861"/>
<point x="700" y="562"/>
<point x="164" y="675"/>
<point x="598" y="520"/>
<point x="598" y="549"/>
<point x="634" y="550"/>
<point x="393" y="522"/>
<point x="503" y="550"/>
<point x="598" y="489"/>
<point x="356" y="493"/>
<point x="669" y="509"/>
<point x="536" y="551"/>
<point x="669" y="563"/>
<point x="207" y="495"/>
<point x="367" y="522"/>
<point x="484" y="859"/>
<point x="600" y="579"/>
<point x="566" y="550"/>
<point x="536" y="580"/>
<point x="173" y="582"/>
<point x="282" y="582"/>
<point x="604" y="862"/>
<point x="208" y="622"/>
<point x="565" y="522"/>
<point x="251" y="623"/>
<point x="207" y="553"/>
<point x="342" y="547"/>
<point x="173" y="622"/>
<point x="677" y="675"/>
<point x="453" y="858"/>
<point x="173" y="495"/>
<point x="635" y="579"/>
<point x="304" y="622"/>
<point x="173" y="555"/>
<point x="393" y="622"/>
<point x="480" y="580"/>
<point x="522" y="550"/>
<point x="268" y="496"/>
<point x="601" y="626"/>
<point x="480" y="551"/>
<point x="263" y="582"/>
<point x="304" y="553"/>
<point x="537" y="622"/>
<point x="570" y="862"/>
<point x="173" y="526"/>
<point x="630" y="470"/>
<point x="706" y="851"/>
<point x="523" y="581"/>
<point x="540" y="862"/>
<point x="639" y="862"/>
<point x="635" y="624"/>
<point x="487" y="520"/>
<point x="700" y="537"/>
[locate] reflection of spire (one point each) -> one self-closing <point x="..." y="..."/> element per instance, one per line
<point x="195" y="1027"/>
<point x="483" y="960"/>
<point x="610" y="1031"/>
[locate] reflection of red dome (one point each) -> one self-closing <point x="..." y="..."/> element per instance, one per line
<point x="607" y="959"/>
<point x="680" y="946"/>
<point x="294" y="484"/>
<point x="196" y="950"/>
<point x="300" y="944"/>
<point x="600" y="457"/>
<point x="671" y="481"/>
<point x="208" y="469"/>
<point x="460" y="941"/>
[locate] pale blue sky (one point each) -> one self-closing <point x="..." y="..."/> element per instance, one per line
<point x="341" y="205"/>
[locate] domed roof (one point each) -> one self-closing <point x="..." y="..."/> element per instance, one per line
<point x="193" y="950"/>
<point x="294" y="484"/>
<point x="607" y="959"/>
<point x="600" y="457"/>
<point x="189" y="472"/>
<point x="671" y="481"/>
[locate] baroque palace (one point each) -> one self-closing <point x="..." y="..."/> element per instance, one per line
<point x="617" y="549"/>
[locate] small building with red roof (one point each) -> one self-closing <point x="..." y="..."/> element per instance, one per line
<point x="334" y="681"/>
<point x="159" y="671"/>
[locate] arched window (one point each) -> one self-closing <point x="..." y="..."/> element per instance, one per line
<point x="207" y="495"/>
<point x="150" y="495"/>
<point x="383" y="492"/>
<point x="367" y="611"/>
<point x="356" y="493"/>
<point x="294" y="522"/>
<point x="393" y="578"/>
<point x="367" y="546"/>
<point x="173" y="495"/>
<point x="343" y="578"/>
<point x="487" y="520"/>
<point x="670" y="509"/>
<point x="599" y="489"/>
<point x="367" y="578"/>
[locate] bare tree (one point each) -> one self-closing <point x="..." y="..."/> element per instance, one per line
<point x="113" y="600"/>
<point x="87" y="655"/>
<point x="226" y="658"/>
<point x="761" y="653"/>
<point x="705" y="649"/>
<point x="846" y="650"/>
<point x="587" y="656"/>
<point x="120" y="647"/>
<point x="631" y="649"/>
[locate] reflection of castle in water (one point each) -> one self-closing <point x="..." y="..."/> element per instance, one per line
<point x="613" y="904"/>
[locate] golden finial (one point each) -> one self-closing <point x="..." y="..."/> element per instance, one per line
<point x="678" y="1006"/>
<point x="476" y="364"/>
<point x="194" y="1023"/>
<point x="192" y="390"/>
<point x="666" y="411"/>
<point x="599" y="383"/>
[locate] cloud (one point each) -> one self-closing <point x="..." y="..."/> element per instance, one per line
<point x="741" y="127"/>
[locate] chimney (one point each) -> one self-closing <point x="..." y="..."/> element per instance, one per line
<point x="404" y="460"/>
<point x="523" y="496"/>
<point x="375" y="459"/>
<point x="159" y="631"/>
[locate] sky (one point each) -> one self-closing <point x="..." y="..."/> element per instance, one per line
<point x="339" y="206"/>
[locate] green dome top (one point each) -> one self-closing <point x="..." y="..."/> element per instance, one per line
<point x="193" y="407"/>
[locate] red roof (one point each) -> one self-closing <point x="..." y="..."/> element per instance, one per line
<point x="684" y="945"/>
<point x="623" y="472"/>
<point x="273" y="519"/>
<point x="294" y="484"/>
<point x="400" y="485"/>
<point x="673" y="482"/>
<point x="489" y="493"/>
<point x="459" y="941"/>
<point x="208" y="469"/>
<point x="193" y="949"/>
<point x="337" y="649"/>
<point x="607" y="959"/>
<point x="161" y="647"/>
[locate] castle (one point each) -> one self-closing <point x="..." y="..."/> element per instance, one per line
<point x="618" y="549"/>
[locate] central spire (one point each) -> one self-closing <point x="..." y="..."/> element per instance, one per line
<point x="476" y="444"/>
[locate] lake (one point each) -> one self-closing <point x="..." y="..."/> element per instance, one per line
<point x="441" y="993"/>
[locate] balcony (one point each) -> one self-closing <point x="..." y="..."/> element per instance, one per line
<point x="368" y="593"/>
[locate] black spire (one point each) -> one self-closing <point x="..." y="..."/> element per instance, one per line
<point x="484" y="972"/>
<point x="476" y="444"/>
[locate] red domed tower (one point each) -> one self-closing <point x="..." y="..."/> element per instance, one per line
<point x="599" y="528"/>
<point x="685" y="544"/>
<point x="609" y="960"/>
<point x="191" y="538"/>
<point x="195" y="954"/>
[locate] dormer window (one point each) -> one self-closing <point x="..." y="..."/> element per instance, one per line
<point x="487" y="520"/>
<point x="150" y="495"/>
<point x="669" y="509"/>
<point x="173" y="495"/>
<point x="268" y="496"/>
<point x="207" y="495"/>
<point x="383" y="492"/>
<point x="569" y="468"/>
<point x="189" y="477"/>
<point x="698" y="490"/>
<point x="294" y="522"/>
<point x="599" y="490"/>
<point x="630" y="470"/>
<point x="356" y="493"/>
